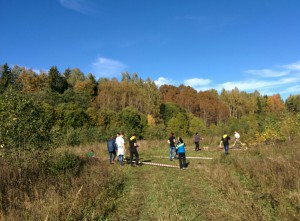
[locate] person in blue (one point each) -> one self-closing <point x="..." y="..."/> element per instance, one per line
<point x="171" y="142"/>
<point x="225" y="139"/>
<point x="181" y="153"/>
<point x="112" y="148"/>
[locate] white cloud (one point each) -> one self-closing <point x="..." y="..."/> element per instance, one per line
<point x="104" y="67"/>
<point x="197" y="82"/>
<point x="266" y="73"/>
<point x="82" y="6"/>
<point x="161" y="81"/>
<point x="293" y="66"/>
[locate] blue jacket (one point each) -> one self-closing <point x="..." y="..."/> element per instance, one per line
<point x="180" y="148"/>
<point x="111" y="145"/>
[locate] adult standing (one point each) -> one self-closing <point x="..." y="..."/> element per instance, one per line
<point x="237" y="139"/>
<point x="171" y="142"/>
<point x="181" y="153"/>
<point x="225" y="139"/>
<point x="197" y="142"/>
<point x="133" y="150"/>
<point x="121" y="148"/>
<point x="112" y="148"/>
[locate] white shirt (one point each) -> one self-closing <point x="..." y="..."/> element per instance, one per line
<point x="237" y="135"/>
<point x="120" y="144"/>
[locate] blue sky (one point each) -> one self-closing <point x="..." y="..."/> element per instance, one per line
<point x="248" y="44"/>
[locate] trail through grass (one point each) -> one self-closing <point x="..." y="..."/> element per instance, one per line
<point x="245" y="185"/>
<point x="158" y="193"/>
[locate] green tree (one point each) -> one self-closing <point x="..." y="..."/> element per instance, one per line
<point x="169" y="110"/>
<point x="293" y="103"/>
<point x="197" y="125"/>
<point x="7" y="78"/>
<point x="178" y="125"/>
<point x="131" y="121"/>
<point x="25" y="125"/>
<point x="57" y="82"/>
<point x="71" y="115"/>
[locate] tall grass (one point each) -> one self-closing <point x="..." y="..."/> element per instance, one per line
<point x="57" y="189"/>
<point x="261" y="183"/>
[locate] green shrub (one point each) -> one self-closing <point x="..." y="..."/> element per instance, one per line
<point x="64" y="162"/>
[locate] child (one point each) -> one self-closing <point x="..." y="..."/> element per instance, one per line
<point x="181" y="153"/>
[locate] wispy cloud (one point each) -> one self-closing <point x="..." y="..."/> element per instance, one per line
<point x="104" y="67"/>
<point x="267" y="73"/>
<point x="292" y="90"/>
<point x="81" y="6"/>
<point x="293" y="66"/>
<point x="254" y="84"/>
<point x="283" y="80"/>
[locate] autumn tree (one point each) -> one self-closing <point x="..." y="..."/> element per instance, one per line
<point x="169" y="93"/>
<point x="187" y="98"/>
<point x="275" y="104"/>
<point x="209" y="106"/>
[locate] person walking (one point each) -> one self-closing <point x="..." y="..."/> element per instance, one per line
<point x="133" y="150"/>
<point x="181" y="153"/>
<point x="112" y="148"/>
<point x="197" y="142"/>
<point x="121" y="148"/>
<point x="225" y="139"/>
<point x="171" y="142"/>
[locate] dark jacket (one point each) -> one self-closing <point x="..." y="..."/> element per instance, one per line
<point x="225" y="140"/>
<point x="111" y="145"/>
<point x="132" y="144"/>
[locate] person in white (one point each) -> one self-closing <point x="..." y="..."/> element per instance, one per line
<point x="236" y="137"/>
<point x="121" y="148"/>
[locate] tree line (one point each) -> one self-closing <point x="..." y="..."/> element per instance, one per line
<point x="53" y="108"/>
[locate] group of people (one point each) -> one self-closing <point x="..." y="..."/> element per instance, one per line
<point x="116" y="147"/>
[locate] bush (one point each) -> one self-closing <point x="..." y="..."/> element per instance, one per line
<point x="64" y="162"/>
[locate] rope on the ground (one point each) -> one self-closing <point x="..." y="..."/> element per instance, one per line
<point x="159" y="164"/>
<point x="203" y="158"/>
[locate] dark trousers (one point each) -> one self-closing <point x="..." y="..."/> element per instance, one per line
<point x="136" y="154"/>
<point x="197" y="146"/>
<point x="182" y="160"/>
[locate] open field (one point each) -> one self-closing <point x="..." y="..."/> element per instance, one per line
<point x="260" y="183"/>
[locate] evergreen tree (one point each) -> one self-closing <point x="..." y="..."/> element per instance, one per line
<point x="7" y="78"/>
<point x="57" y="82"/>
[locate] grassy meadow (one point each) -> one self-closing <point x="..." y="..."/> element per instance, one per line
<point x="251" y="183"/>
